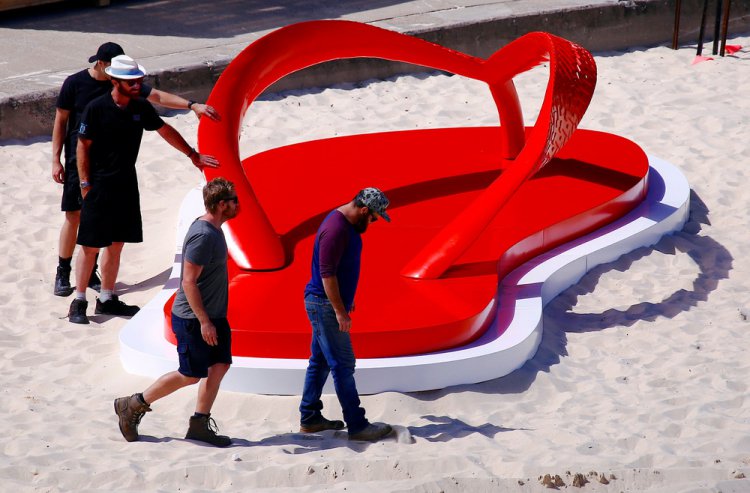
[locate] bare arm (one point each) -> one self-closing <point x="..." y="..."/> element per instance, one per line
<point x="169" y="100"/>
<point x="190" y="274"/>
<point x="331" y="287"/>
<point x="174" y="139"/>
<point x="58" y="140"/>
<point x="82" y="159"/>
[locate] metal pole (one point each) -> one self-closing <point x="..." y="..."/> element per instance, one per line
<point x="703" y="28"/>
<point x="676" y="30"/>
<point x="724" y="26"/>
<point x="717" y="24"/>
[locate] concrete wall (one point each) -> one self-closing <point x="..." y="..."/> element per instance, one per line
<point x="626" y="24"/>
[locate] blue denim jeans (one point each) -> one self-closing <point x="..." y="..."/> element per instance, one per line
<point x="331" y="352"/>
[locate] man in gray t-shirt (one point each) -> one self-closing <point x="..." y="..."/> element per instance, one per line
<point x="205" y="245"/>
<point x="199" y="322"/>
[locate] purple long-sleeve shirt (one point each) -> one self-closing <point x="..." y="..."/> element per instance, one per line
<point x="337" y="252"/>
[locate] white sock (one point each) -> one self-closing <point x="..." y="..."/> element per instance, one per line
<point x="81" y="295"/>
<point x="105" y="294"/>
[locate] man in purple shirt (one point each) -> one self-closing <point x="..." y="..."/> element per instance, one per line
<point x="329" y="297"/>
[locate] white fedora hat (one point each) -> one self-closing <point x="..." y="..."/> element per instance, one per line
<point x="124" y="67"/>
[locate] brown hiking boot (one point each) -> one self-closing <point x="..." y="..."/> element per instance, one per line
<point x="130" y="410"/>
<point x="372" y="433"/>
<point x="321" y="425"/>
<point x="203" y="429"/>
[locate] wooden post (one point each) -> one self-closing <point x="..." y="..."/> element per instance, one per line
<point x="702" y="31"/>
<point x="724" y="26"/>
<point x="717" y="24"/>
<point x="676" y="30"/>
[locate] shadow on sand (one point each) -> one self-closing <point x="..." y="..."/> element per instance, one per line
<point x="442" y="429"/>
<point x="713" y="260"/>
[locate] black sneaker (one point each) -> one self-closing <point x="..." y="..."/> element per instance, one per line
<point x="203" y="429"/>
<point x="321" y="425"/>
<point x="94" y="282"/>
<point x="62" y="282"/>
<point x="114" y="306"/>
<point x="77" y="312"/>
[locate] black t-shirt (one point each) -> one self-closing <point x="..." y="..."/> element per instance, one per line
<point x="116" y="135"/>
<point x="77" y="91"/>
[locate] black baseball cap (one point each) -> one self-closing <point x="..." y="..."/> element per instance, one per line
<point x="107" y="52"/>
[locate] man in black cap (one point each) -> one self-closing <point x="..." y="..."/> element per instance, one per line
<point x="77" y="91"/>
<point x="109" y="139"/>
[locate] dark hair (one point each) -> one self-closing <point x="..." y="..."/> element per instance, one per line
<point x="215" y="191"/>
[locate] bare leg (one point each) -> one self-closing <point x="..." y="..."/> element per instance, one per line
<point x="209" y="387"/>
<point x="84" y="265"/>
<point x="166" y="384"/>
<point x="110" y="265"/>
<point x="69" y="233"/>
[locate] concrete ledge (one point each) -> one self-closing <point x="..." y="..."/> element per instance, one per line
<point x="599" y="27"/>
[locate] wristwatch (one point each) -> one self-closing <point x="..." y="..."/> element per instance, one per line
<point x="85" y="184"/>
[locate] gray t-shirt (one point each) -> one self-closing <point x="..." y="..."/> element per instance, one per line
<point x="205" y="245"/>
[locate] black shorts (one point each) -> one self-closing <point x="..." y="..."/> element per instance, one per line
<point x="110" y="216"/>
<point x="196" y="356"/>
<point x="71" y="196"/>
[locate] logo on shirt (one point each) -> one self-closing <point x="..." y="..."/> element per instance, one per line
<point x="82" y="128"/>
<point x="136" y="117"/>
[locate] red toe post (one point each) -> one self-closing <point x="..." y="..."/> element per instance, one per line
<point x="571" y="85"/>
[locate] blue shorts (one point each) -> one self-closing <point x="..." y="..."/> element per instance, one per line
<point x="196" y="356"/>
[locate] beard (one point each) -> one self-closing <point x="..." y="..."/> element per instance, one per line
<point x="231" y="213"/>
<point x="132" y="92"/>
<point x="361" y="225"/>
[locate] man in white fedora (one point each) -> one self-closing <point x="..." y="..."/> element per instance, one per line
<point x="78" y="90"/>
<point x="109" y="138"/>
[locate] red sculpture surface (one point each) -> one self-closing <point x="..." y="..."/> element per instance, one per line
<point x="468" y="204"/>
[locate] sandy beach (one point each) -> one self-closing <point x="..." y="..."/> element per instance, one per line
<point x="641" y="377"/>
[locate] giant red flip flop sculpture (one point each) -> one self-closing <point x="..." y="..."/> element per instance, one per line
<point x="475" y="210"/>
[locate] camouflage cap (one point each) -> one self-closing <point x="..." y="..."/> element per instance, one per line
<point x="375" y="200"/>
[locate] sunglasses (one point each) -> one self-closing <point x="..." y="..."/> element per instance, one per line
<point x="132" y="82"/>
